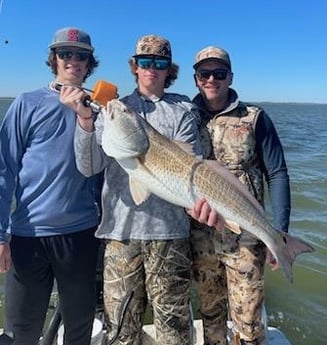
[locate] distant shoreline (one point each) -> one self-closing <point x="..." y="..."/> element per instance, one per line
<point x="6" y="98"/>
<point x="249" y="102"/>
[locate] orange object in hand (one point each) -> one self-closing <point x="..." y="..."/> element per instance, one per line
<point x="104" y="92"/>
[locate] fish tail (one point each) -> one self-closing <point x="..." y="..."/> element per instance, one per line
<point x="293" y="247"/>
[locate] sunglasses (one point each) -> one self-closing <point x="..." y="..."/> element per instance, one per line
<point x="67" y="55"/>
<point x="218" y="74"/>
<point x="155" y="63"/>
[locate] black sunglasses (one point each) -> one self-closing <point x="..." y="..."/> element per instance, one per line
<point x="155" y="63"/>
<point x="218" y="74"/>
<point x="67" y="55"/>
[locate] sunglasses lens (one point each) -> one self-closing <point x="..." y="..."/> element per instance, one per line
<point x="144" y="63"/>
<point x="161" y="64"/>
<point x="82" y="56"/>
<point x="67" y="55"/>
<point x="158" y="64"/>
<point x="218" y="74"/>
<point x="203" y="75"/>
<point x="63" y="55"/>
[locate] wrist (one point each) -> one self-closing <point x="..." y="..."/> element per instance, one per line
<point x="85" y="117"/>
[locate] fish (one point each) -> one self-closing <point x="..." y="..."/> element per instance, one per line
<point x="167" y="168"/>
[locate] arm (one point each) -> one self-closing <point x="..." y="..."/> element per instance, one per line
<point x="275" y="170"/>
<point x="12" y="147"/>
<point x="274" y="167"/>
<point x="90" y="158"/>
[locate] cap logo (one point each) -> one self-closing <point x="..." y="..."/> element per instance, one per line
<point x="73" y="35"/>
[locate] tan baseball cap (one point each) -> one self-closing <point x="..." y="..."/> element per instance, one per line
<point x="212" y="53"/>
<point x="153" y="45"/>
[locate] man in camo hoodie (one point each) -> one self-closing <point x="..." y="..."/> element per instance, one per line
<point x="229" y="268"/>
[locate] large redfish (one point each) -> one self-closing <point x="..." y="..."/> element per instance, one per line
<point x="161" y="166"/>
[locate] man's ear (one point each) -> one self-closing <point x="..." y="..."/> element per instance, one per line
<point x="195" y="81"/>
<point x="231" y="78"/>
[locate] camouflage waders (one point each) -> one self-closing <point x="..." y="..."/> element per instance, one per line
<point x="228" y="275"/>
<point x="158" y="272"/>
<point x="229" y="268"/>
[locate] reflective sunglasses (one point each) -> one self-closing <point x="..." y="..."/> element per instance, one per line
<point x="218" y="74"/>
<point x="67" y="55"/>
<point x="155" y="63"/>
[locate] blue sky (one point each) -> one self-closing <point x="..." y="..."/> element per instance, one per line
<point x="278" y="47"/>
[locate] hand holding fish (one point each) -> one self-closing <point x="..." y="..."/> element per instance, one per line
<point x="203" y="213"/>
<point x="271" y="261"/>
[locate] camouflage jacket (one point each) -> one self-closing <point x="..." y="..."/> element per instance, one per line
<point x="232" y="137"/>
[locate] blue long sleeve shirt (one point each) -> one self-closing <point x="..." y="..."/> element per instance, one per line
<point x="274" y="168"/>
<point x="38" y="170"/>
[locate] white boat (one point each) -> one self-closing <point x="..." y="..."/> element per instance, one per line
<point x="274" y="335"/>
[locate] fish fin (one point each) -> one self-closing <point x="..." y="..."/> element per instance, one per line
<point x="293" y="247"/>
<point x="187" y="147"/>
<point x="232" y="226"/>
<point x="138" y="192"/>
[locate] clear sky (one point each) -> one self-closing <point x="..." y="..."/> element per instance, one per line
<point x="278" y="47"/>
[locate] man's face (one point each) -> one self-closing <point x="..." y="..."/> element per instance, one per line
<point x="72" y="64"/>
<point x="152" y="72"/>
<point x="213" y="79"/>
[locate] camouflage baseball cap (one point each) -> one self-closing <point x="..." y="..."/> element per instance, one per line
<point x="212" y="53"/>
<point x="153" y="45"/>
<point x="71" y="37"/>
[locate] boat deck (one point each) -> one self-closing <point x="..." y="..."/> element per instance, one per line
<point x="275" y="336"/>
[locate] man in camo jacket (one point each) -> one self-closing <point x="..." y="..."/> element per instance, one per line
<point x="229" y="268"/>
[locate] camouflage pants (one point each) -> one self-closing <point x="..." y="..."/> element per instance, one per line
<point x="158" y="272"/>
<point x="229" y="272"/>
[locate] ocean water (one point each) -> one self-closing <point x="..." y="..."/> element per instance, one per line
<point x="298" y="309"/>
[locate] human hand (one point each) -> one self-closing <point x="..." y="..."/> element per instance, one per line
<point x="73" y="97"/>
<point x="271" y="261"/>
<point x="203" y="213"/>
<point x="5" y="257"/>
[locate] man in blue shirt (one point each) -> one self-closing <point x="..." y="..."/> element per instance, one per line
<point x="49" y="233"/>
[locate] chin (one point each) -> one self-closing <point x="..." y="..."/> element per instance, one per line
<point x="212" y="94"/>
